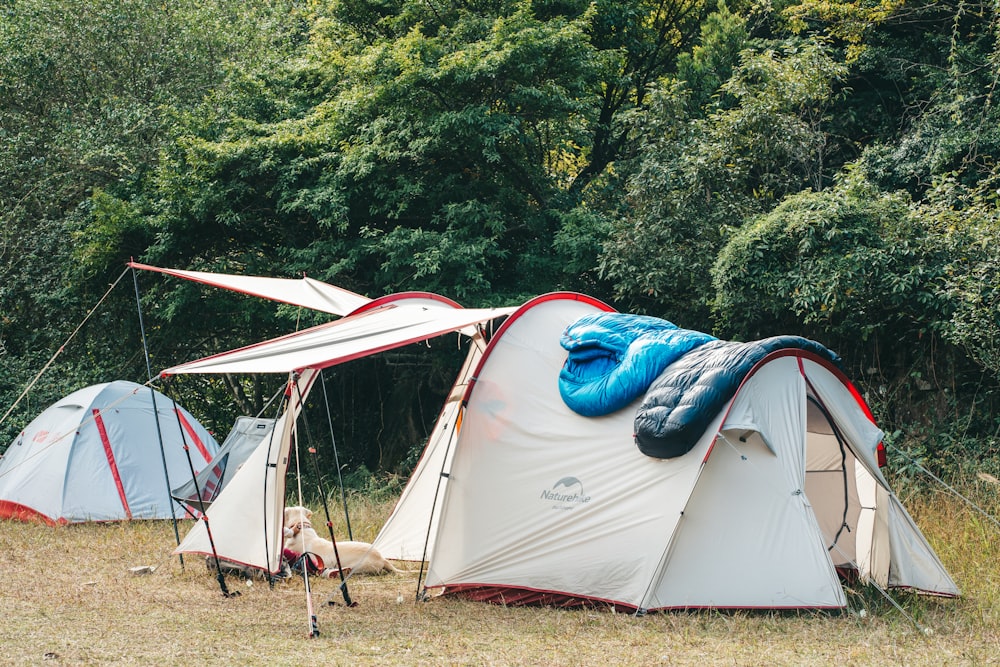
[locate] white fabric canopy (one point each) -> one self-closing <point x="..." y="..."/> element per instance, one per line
<point x="372" y="331"/>
<point x="304" y="292"/>
<point x="542" y="505"/>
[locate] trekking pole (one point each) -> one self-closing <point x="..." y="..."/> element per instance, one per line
<point x="313" y="623"/>
<point x="326" y="509"/>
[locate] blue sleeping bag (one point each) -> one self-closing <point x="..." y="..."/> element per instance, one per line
<point x="685" y="376"/>
<point x="614" y="357"/>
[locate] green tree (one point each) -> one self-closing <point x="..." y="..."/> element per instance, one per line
<point x="463" y="149"/>
<point x="706" y="171"/>
<point x="845" y="264"/>
<point x="88" y="92"/>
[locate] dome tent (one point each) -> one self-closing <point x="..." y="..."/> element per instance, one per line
<point x="778" y="492"/>
<point x="95" y="455"/>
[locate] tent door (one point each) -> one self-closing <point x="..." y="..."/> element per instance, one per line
<point x="842" y="493"/>
<point x="831" y="484"/>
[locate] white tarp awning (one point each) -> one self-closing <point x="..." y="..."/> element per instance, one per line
<point x="304" y="292"/>
<point x="383" y="328"/>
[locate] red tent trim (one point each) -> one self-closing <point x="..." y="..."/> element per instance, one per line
<point x="112" y="464"/>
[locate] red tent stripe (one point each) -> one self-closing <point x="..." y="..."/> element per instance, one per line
<point x="194" y="436"/>
<point x="112" y="465"/>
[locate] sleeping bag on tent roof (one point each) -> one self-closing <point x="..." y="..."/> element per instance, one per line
<point x="686" y="376"/>
<point x="613" y="358"/>
<point x="682" y="401"/>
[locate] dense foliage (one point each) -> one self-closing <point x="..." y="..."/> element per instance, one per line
<point x="819" y="168"/>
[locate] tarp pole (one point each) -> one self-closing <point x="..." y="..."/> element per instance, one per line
<point x="313" y="622"/>
<point x="336" y="459"/>
<point x="326" y="508"/>
<point x="156" y="416"/>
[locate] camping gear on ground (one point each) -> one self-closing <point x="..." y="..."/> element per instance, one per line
<point x="96" y="455"/>
<point x="199" y="493"/>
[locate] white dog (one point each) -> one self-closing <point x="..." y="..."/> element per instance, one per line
<point x="356" y="557"/>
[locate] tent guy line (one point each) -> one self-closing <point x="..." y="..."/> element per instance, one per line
<point x="62" y="347"/>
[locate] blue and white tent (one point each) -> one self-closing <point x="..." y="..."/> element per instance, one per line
<point x="95" y="455"/>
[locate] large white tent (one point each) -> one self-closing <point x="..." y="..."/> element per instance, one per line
<point x="543" y="505"/>
<point x="95" y="455"/>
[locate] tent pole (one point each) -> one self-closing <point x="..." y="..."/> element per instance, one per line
<point x="305" y="558"/>
<point x="336" y="458"/>
<point x="326" y="509"/>
<point x="156" y="415"/>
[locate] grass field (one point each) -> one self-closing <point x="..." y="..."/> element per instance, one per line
<point x="67" y="597"/>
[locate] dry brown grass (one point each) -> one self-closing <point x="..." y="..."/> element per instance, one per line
<point x="68" y="598"/>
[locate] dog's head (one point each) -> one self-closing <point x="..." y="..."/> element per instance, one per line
<point x="296" y="517"/>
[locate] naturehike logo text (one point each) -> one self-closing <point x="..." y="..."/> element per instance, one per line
<point x="566" y="494"/>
